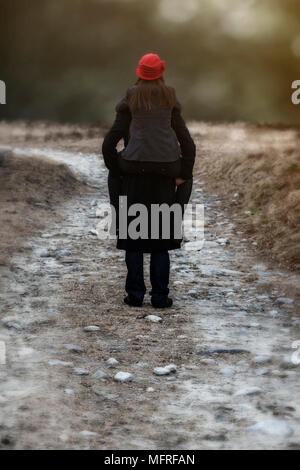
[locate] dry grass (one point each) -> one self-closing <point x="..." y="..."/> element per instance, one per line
<point x="30" y="189"/>
<point x="262" y="165"/>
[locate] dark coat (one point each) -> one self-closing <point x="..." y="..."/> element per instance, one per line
<point x="146" y="187"/>
<point x="152" y="138"/>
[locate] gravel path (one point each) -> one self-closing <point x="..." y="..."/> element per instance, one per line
<point x="231" y="383"/>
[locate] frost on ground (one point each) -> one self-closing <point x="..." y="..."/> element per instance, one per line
<point x="80" y="365"/>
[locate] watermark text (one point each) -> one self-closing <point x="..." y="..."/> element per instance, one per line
<point x="296" y="93"/>
<point x="2" y="92"/>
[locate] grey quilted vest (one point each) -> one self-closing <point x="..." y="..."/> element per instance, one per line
<point x="151" y="138"/>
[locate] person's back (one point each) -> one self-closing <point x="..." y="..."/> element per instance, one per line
<point x="152" y="138"/>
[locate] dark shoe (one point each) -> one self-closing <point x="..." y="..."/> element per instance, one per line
<point x="166" y="303"/>
<point x="133" y="301"/>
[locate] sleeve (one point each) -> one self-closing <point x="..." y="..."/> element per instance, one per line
<point x="187" y="145"/>
<point x="118" y="131"/>
<point x="121" y="105"/>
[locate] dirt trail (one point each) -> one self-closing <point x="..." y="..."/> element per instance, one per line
<point x="225" y="299"/>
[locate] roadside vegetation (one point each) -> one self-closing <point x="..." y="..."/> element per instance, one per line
<point x="30" y="189"/>
<point x="256" y="172"/>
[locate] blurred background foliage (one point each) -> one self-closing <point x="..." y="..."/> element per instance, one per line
<point x="71" y="60"/>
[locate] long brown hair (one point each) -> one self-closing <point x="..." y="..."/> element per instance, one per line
<point x="149" y="94"/>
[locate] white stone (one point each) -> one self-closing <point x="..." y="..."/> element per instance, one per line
<point x="277" y="373"/>
<point x="150" y="389"/>
<point x="79" y="371"/>
<point x="154" y="318"/>
<point x="273" y="313"/>
<point x="192" y="292"/>
<point x="167" y="370"/>
<point x="288" y="362"/>
<point x="248" y="391"/>
<point x="91" y="328"/>
<point x="43" y="253"/>
<point x="73" y="348"/>
<point x="261" y="359"/>
<point x="161" y="371"/>
<point x="230" y="293"/>
<point x="61" y="253"/>
<point x="123" y="377"/>
<point x="94" y="232"/>
<point x="13" y="324"/>
<point x="112" y="362"/>
<point x="284" y="300"/>
<point x="272" y="427"/>
<point x="99" y="374"/>
<point x="69" y="391"/>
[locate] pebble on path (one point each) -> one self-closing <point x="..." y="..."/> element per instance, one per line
<point x="248" y="391"/>
<point x="112" y="362"/>
<point x="284" y="300"/>
<point x="91" y="328"/>
<point x="13" y="324"/>
<point x="99" y="374"/>
<point x="154" y="318"/>
<point x="123" y="377"/>
<point x="78" y="371"/>
<point x="167" y="370"/>
<point x="261" y="359"/>
<point x="74" y="348"/>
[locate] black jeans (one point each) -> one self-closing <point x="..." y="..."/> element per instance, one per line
<point x="159" y="275"/>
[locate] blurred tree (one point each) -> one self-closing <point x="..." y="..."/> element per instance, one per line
<point x="71" y="60"/>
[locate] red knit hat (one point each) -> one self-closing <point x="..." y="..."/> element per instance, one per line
<point x="150" y="67"/>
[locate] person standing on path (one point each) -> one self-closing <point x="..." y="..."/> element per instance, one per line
<point x="154" y="168"/>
